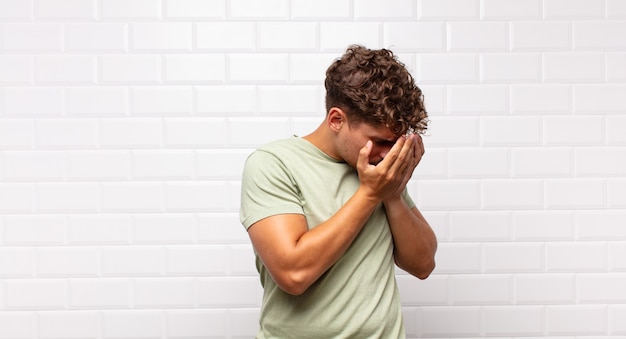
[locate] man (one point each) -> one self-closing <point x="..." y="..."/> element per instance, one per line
<point x="328" y="214"/>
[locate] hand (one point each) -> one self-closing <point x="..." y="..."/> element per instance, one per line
<point x="388" y="178"/>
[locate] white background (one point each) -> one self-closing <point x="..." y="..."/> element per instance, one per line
<point x="124" y="125"/>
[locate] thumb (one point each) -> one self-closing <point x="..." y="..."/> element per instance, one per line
<point x="364" y="156"/>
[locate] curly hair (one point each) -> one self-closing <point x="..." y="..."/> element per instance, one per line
<point x="374" y="87"/>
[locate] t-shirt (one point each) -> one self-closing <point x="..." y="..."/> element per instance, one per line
<point x="358" y="296"/>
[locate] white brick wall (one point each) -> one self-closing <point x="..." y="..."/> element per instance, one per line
<point x="124" y="125"/>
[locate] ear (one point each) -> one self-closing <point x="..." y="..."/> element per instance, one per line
<point x="336" y="118"/>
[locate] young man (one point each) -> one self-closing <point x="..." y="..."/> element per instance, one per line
<point x="328" y="214"/>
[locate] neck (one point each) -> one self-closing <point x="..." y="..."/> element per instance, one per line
<point x="322" y="138"/>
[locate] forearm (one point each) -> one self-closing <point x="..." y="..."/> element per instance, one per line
<point x="415" y="242"/>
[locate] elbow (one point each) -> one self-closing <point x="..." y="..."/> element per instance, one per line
<point x="293" y="283"/>
<point x="426" y="271"/>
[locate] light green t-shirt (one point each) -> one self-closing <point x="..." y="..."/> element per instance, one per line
<point x="357" y="297"/>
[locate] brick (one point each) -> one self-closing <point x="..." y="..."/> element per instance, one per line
<point x="210" y="36"/>
<point x="449" y="194"/>
<point x="195" y="131"/>
<point x="17" y="263"/>
<point x="447" y="68"/>
<point x="425" y="36"/>
<point x="514" y="258"/>
<point x="616" y="66"/>
<point x="199" y="323"/>
<point x="601" y="288"/>
<point x="577" y="9"/>
<point x="309" y="68"/>
<point x="483" y="99"/>
<point x="98" y="165"/>
<point x="577" y="193"/>
<point x="17" y="197"/>
<point x="132" y="324"/>
<point x="594" y="225"/>
<point x="144" y="132"/>
<point x="573" y="130"/>
<point x="123" y="261"/>
<point x="42" y="37"/>
<point x="453" y="131"/>
<point x="130" y="69"/>
<point x="195" y="68"/>
<point x="616" y="9"/>
<point x="293" y="100"/>
<point x="40" y="229"/>
<point x="220" y="100"/>
<point x="301" y="126"/>
<point x="291" y="36"/>
<point x="479" y="226"/>
<point x="17" y="325"/>
<point x="483" y="36"/>
<point x="512" y="194"/>
<point x="244" y="322"/>
<point x="483" y="290"/>
<point x="511" y="130"/>
<point x="164" y="293"/>
<point x="65" y="9"/>
<point x="511" y="9"/>
<point x="151" y="164"/>
<point x="163" y="229"/>
<point x="617" y="256"/>
<point x="31" y="294"/>
<point x="616" y="192"/>
<point x="221" y="163"/>
<point x="33" y="101"/>
<point x="11" y="10"/>
<point x="573" y="67"/>
<point x="33" y="165"/>
<point x="601" y="98"/>
<point x="161" y="100"/>
<point x="187" y="9"/>
<point x="244" y="131"/>
<point x="605" y="35"/>
<point x="196" y="196"/>
<point x="396" y="9"/>
<point x="555" y="289"/>
<point x="131" y="196"/>
<point x="220" y="228"/>
<point x="304" y="9"/>
<point x="100" y="36"/>
<point x="67" y="262"/>
<point x="258" y="67"/>
<point x="600" y="161"/>
<point x="513" y="320"/>
<point x="448" y="9"/>
<point x="242" y="260"/>
<point x="15" y="69"/>
<point x="67" y="197"/>
<point x="131" y="9"/>
<point x="65" y="133"/>
<point x="576" y="257"/>
<point x="616" y="326"/>
<point x="555" y="162"/>
<point x="337" y="36"/>
<point x="577" y="320"/>
<point x="99" y="293"/>
<point x="175" y="36"/>
<point x="541" y="36"/>
<point x="202" y="260"/>
<point x="615" y="124"/>
<point x="436" y="321"/>
<point x="247" y="290"/>
<point x="97" y="101"/>
<point x="478" y="163"/>
<point x="432" y="166"/>
<point x="517" y="67"/>
<point x="99" y="229"/>
<point x="459" y="258"/>
<point x="541" y="99"/>
<point x="433" y="291"/>
<point x="271" y="9"/>
<point x="75" y="324"/>
<point x="543" y="225"/>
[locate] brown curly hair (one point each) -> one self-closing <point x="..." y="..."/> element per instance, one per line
<point x="373" y="87"/>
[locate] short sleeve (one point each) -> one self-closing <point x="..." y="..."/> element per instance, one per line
<point x="267" y="188"/>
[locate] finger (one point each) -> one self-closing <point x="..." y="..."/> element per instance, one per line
<point x="364" y="155"/>
<point x="392" y="155"/>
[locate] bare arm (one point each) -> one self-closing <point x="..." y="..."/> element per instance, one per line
<point x="296" y="257"/>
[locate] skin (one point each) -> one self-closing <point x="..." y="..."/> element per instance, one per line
<point x="296" y="257"/>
